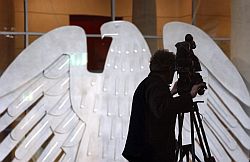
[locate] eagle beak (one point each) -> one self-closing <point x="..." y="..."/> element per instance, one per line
<point x="109" y="35"/>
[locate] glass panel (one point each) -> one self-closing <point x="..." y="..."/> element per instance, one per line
<point x="214" y="19"/>
<point x="163" y="10"/>
<point x="154" y="44"/>
<point x="123" y="9"/>
<point x="33" y="38"/>
<point x="159" y="43"/>
<point x="19" y="44"/>
<point x="168" y="10"/>
<point x="46" y="15"/>
<point x="10" y="46"/>
<point x="19" y="15"/>
<point x="225" y="46"/>
<point x="9" y="14"/>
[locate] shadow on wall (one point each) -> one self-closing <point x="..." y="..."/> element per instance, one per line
<point x="244" y="68"/>
<point x="247" y="110"/>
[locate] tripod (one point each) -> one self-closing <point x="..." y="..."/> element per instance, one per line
<point x="184" y="150"/>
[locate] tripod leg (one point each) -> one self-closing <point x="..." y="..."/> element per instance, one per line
<point x="200" y="137"/>
<point x="203" y="133"/>
<point x="187" y="157"/>
<point x="196" y="157"/>
<point x="185" y="149"/>
<point x="207" y="157"/>
<point x="192" y="135"/>
<point x="179" y="142"/>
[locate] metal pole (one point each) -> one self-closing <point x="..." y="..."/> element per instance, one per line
<point x="192" y="135"/>
<point x="26" y="37"/>
<point x="21" y="33"/>
<point x="193" y="12"/>
<point x="113" y="10"/>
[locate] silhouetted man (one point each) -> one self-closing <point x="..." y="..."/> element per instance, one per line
<point x="151" y="136"/>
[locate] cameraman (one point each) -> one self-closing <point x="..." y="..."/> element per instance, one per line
<point x="151" y="136"/>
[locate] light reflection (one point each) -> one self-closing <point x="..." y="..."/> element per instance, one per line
<point x="78" y="59"/>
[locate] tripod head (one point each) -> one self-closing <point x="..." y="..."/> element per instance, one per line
<point x="195" y="105"/>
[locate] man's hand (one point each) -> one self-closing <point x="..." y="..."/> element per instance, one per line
<point x="195" y="89"/>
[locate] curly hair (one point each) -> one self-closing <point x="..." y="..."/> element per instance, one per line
<point x="162" y="60"/>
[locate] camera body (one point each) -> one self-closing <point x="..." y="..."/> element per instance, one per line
<point x="188" y="67"/>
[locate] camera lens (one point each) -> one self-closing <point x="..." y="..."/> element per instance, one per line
<point x="201" y="91"/>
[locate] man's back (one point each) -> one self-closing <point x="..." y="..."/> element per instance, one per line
<point x="151" y="131"/>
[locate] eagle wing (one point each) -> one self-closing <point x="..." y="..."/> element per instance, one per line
<point x="225" y="120"/>
<point x="41" y="94"/>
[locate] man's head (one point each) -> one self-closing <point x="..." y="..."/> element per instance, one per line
<point x="163" y="62"/>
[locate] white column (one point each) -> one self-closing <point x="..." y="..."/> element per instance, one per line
<point x="144" y="17"/>
<point x="240" y="38"/>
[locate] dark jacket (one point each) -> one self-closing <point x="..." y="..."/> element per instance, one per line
<point x="151" y="135"/>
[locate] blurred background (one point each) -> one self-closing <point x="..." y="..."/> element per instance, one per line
<point x="226" y="21"/>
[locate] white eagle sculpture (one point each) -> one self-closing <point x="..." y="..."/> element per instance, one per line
<point x="59" y="111"/>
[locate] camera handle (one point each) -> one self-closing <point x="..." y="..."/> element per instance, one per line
<point x="184" y="150"/>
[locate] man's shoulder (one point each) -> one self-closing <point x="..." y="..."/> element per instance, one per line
<point x="151" y="80"/>
<point x="142" y="83"/>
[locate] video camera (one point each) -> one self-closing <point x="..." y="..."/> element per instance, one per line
<point x="188" y="67"/>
